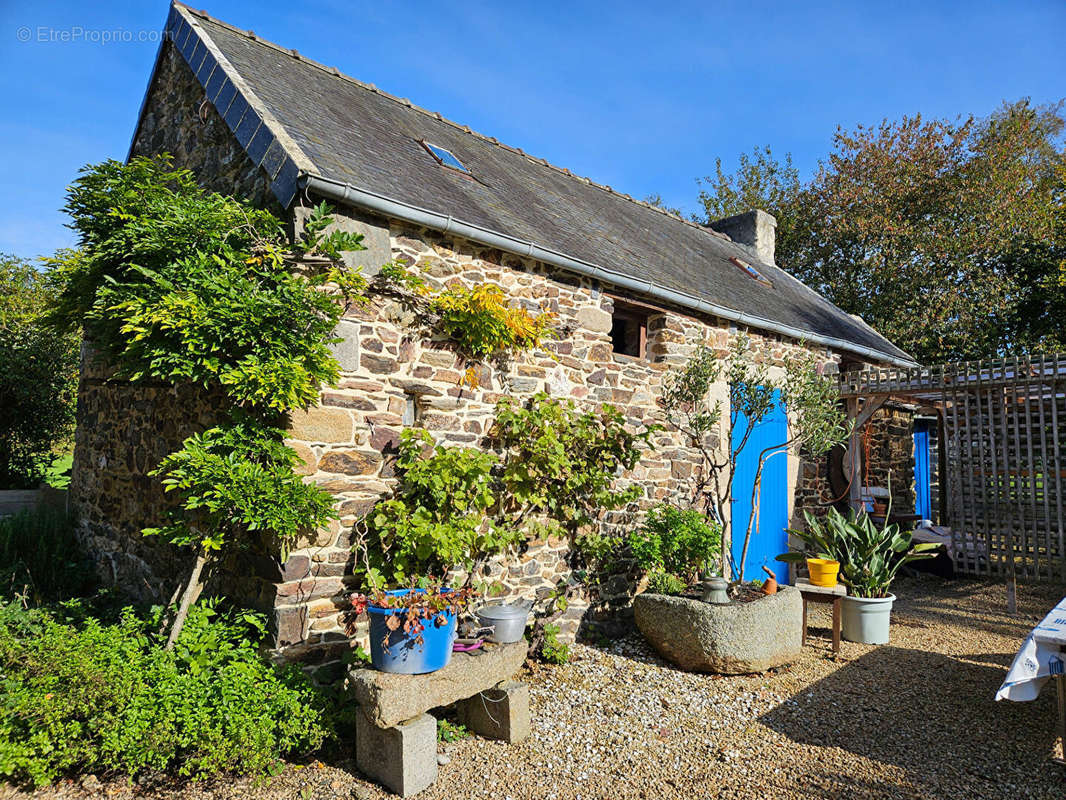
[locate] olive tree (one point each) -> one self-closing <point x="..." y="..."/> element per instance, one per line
<point x="809" y="398"/>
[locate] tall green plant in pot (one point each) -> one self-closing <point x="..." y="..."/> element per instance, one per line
<point x="870" y="557"/>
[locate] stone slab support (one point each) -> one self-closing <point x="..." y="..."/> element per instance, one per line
<point x="501" y="713"/>
<point x="402" y="758"/>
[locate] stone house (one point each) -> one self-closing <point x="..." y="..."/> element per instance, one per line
<point x="636" y="288"/>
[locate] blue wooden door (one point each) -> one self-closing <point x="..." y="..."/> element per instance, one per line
<point x="923" y="501"/>
<point x="769" y="537"/>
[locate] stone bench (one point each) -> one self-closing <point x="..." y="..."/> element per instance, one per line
<point x="396" y="740"/>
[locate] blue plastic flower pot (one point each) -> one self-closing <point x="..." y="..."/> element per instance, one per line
<point x="396" y="651"/>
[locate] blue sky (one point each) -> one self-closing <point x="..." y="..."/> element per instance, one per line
<point x="636" y="95"/>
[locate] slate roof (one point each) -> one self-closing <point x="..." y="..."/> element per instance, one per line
<point x="295" y="117"/>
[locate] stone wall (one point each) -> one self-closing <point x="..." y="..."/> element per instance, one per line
<point x="348" y="443"/>
<point x="889" y="449"/>
<point x="177" y="121"/>
<point x="887" y="446"/>
<point x="123" y="432"/>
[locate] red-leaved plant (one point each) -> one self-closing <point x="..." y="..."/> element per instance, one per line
<point x="413" y="610"/>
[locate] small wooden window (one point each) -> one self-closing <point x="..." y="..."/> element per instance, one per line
<point x="629" y="330"/>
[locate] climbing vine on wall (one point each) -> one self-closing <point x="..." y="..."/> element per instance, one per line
<point x="479" y="322"/>
<point x="173" y="283"/>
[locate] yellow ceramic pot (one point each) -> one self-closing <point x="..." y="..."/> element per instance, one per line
<point x="823" y="572"/>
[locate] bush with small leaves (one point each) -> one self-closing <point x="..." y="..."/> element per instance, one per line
<point x="673" y="545"/>
<point x="87" y="696"/>
<point x="550" y="649"/>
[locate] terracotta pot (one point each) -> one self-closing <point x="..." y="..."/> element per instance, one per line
<point x="770" y="584"/>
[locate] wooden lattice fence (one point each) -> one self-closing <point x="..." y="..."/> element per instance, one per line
<point x="1004" y="427"/>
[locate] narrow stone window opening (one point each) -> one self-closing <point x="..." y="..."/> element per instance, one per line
<point x="411" y="410"/>
<point x="629" y="330"/>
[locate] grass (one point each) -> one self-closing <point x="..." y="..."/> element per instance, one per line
<point x="41" y="557"/>
<point x="58" y="473"/>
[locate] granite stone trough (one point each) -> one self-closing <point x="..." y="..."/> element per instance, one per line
<point x="733" y="639"/>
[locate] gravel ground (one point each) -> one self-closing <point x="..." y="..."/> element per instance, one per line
<point x="912" y="719"/>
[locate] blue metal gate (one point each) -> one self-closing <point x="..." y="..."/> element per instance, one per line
<point x="770" y="536"/>
<point x="923" y="501"/>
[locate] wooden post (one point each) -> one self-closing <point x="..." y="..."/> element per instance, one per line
<point x="855" y="457"/>
<point x="1012" y="567"/>
<point x="1045" y="470"/>
<point x="1057" y="469"/>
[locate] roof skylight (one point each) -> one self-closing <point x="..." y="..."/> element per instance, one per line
<point x="445" y="157"/>
<point x="750" y="270"/>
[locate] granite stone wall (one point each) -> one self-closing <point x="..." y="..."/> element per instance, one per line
<point x="389" y="369"/>
<point x="889" y="448"/>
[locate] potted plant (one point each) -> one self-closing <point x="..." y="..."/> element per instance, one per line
<point x="412" y="630"/>
<point x="823" y="571"/>
<point x="869" y="559"/>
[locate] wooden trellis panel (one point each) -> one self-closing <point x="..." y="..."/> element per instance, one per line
<point x="1005" y="456"/>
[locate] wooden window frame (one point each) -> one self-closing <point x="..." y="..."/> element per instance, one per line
<point x="632" y="312"/>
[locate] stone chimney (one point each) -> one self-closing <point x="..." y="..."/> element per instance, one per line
<point x="756" y="229"/>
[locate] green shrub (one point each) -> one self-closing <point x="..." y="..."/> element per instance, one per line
<point x="172" y="283"/>
<point x="673" y="546"/>
<point x="562" y="462"/>
<point x="551" y="650"/>
<point x="90" y="696"/>
<point x="41" y="558"/>
<point x="437" y="518"/>
<point x="177" y="284"/>
<point x="448" y="731"/>
<point x="38" y="377"/>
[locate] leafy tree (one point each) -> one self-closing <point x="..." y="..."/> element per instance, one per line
<point x="1039" y="268"/>
<point x="235" y="480"/>
<point x="38" y="376"/>
<point x="760" y="181"/>
<point x="809" y="398"/>
<point x="946" y="236"/>
<point x="180" y="285"/>
<point x="657" y="201"/>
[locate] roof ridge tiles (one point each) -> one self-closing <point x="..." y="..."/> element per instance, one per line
<point x="336" y="72"/>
